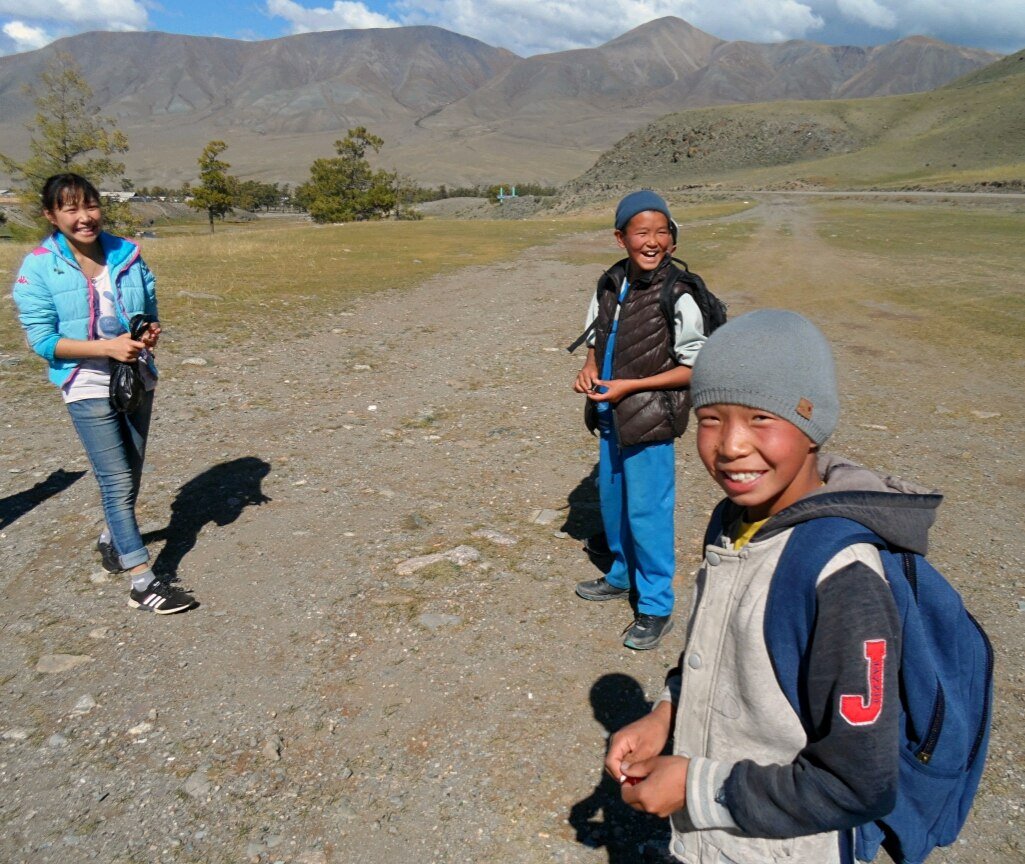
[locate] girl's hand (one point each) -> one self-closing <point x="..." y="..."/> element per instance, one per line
<point x="151" y="336"/>
<point x="123" y="348"/>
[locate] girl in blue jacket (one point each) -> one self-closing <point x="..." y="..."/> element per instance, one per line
<point x="76" y="294"/>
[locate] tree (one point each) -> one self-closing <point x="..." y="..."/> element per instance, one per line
<point x="216" y="190"/>
<point x="65" y="131"/>
<point x="344" y="188"/>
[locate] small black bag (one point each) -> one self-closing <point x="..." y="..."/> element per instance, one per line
<point x="126" y="387"/>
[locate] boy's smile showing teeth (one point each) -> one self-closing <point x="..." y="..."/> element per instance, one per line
<point x="646" y="239"/>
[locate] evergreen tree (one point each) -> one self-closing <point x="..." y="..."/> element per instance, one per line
<point x="216" y="190"/>
<point x="67" y="134"/>
<point x="344" y="188"/>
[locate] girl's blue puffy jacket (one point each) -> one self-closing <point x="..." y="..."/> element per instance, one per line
<point x="54" y="301"/>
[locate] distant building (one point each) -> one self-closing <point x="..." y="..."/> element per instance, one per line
<point x="117" y="196"/>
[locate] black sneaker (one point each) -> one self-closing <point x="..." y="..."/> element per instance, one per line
<point x="600" y="589"/>
<point x="109" y="558"/>
<point x="647" y="631"/>
<point x="161" y="598"/>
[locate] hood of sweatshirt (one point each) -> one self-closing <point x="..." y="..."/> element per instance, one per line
<point x="898" y="511"/>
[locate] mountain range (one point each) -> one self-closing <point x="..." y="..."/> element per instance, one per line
<point x="451" y="109"/>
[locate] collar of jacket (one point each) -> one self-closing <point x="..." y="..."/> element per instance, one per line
<point x="622" y="268"/>
<point x="118" y="251"/>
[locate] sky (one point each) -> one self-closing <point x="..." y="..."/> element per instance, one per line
<point x="529" y="27"/>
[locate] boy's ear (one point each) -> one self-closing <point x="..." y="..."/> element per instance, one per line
<point x="619" y="238"/>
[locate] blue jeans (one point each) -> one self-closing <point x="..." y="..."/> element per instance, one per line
<point x="116" y="446"/>
<point x="637" y="486"/>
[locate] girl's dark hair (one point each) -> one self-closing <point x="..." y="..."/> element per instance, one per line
<point x="61" y="189"/>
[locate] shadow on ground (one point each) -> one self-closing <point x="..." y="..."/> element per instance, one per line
<point x="217" y="495"/>
<point x="627" y="836"/>
<point x="17" y="505"/>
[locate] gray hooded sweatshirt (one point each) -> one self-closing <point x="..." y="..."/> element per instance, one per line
<point x="758" y="789"/>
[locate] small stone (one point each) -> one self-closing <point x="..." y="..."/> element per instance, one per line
<point x="53" y="663"/>
<point x="343" y="810"/>
<point x="84" y="705"/>
<point x="272" y="748"/>
<point x="194" y="361"/>
<point x="198" y="786"/>
<point x="99" y="577"/>
<point x="460" y="555"/>
<point x="362" y="367"/>
<point x="496" y="537"/>
<point x="99" y="633"/>
<point x="141" y="729"/>
<point x="16" y="734"/>
<point x="1021" y="608"/>
<point x="875" y="426"/>
<point x="345" y="773"/>
<point x="57" y="740"/>
<point x="544" y="517"/>
<point x="985" y="415"/>
<point x="436" y="620"/>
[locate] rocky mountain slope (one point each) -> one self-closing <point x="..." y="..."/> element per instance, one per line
<point x="965" y="134"/>
<point x="450" y="108"/>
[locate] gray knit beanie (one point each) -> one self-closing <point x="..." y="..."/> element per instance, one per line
<point x="774" y="360"/>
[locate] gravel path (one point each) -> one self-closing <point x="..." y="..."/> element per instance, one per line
<point x="336" y="698"/>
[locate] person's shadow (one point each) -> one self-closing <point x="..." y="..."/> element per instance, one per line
<point x="583" y="520"/>
<point x="627" y="835"/>
<point x="217" y="495"/>
<point x="17" y="505"/>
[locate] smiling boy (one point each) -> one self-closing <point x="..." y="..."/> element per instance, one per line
<point x="746" y="782"/>
<point x="635" y="378"/>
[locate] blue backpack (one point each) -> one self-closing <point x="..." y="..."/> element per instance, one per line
<point x="946" y="683"/>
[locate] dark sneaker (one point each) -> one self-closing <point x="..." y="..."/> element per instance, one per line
<point x="647" y="631"/>
<point x="161" y="598"/>
<point x="109" y="558"/>
<point x="600" y="589"/>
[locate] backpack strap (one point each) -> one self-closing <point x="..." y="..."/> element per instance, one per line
<point x="695" y="286"/>
<point x="582" y="338"/>
<point x="791" y="607"/>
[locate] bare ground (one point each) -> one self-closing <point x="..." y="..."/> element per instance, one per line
<point x="325" y="705"/>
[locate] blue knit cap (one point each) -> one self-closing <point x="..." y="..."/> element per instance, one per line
<point x="774" y="360"/>
<point x="638" y="202"/>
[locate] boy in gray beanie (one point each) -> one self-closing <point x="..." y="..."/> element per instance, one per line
<point x="746" y="781"/>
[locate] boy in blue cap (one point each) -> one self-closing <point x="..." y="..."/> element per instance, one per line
<point x="636" y="379"/>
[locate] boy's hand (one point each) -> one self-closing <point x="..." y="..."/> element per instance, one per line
<point x="662" y="788"/>
<point x="615" y="390"/>
<point x="639" y="741"/>
<point x="587" y="375"/>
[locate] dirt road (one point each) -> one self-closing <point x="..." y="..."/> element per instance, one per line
<point x="330" y="703"/>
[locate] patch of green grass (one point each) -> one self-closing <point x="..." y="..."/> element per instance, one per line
<point x="236" y="283"/>
<point x="965" y="269"/>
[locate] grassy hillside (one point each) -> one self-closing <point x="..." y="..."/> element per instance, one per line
<point x="967" y="133"/>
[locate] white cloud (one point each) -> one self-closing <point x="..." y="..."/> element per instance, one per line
<point x="538" y="26"/>
<point x="26" y="37"/>
<point x="868" y="12"/>
<point x="342" y="15"/>
<point x="80" y="14"/>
